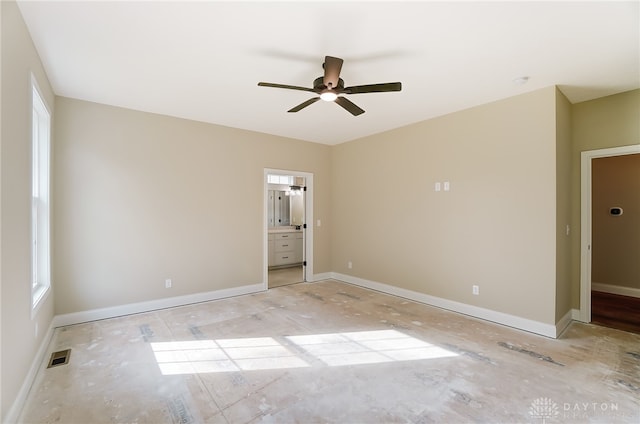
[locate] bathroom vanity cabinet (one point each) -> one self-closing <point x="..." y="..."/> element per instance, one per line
<point x="285" y="247"/>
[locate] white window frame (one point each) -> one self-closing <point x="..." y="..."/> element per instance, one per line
<point x="280" y="179"/>
<point x="40" y="198"/>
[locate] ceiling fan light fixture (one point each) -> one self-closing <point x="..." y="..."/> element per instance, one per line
<point x="328" y="96"/>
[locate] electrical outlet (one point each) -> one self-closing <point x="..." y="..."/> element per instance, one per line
<point x="476" y="290"/>
<point x="167" y="283"/>
<point x="349" y="265"/>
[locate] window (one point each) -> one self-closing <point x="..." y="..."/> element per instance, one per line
<point x="40" y="176"/>
<point x="280" y="179"/>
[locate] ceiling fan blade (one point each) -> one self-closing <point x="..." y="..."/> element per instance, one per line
<point x="332" y="67"/>
<point x="289" y="87"/>
<point x="373" y="88"/>
<point x="304" y="104"/>
<point x="349" y="106"/>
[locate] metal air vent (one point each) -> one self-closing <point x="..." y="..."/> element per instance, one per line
<point x="59" y="358"/>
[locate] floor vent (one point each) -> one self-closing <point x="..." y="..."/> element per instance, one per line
<point x="59" y="358"/>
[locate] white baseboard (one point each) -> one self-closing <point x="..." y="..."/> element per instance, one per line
<point x="547" y="330"/>
<point x="18" y="404"/>
<point x="322" y="276"/>
<point x="610" y="288"/>
<point x="152" y="305"/>
<point x="575" y="314"/>
<point x="170" y="302"/>
<point x="570" y="316"/>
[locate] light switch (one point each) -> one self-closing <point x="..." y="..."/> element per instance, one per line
<point x="437" y="187"/>
<point x="318" y="224"/>
<point x="446" y="186"/>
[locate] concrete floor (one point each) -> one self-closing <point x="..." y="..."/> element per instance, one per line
<point x="333" y="353"/>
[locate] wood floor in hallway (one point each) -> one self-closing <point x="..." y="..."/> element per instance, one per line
<point x="615" y="311"/>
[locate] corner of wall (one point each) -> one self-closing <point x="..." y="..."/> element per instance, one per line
<point x="564" y="231"/>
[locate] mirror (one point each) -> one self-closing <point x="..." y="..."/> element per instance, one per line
<point x="286" y="203"/>
<point x="279" y="209"/>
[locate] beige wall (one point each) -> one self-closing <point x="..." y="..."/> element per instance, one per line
<point x="143" y="197"/>
<point x="616" y="239"/>
<point x="496" y="227"/>
<point x="563" y="202"/>
<point x="611" y="121"/>
<point x="20" y="340"/>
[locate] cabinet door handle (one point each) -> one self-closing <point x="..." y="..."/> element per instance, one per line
<point x="285" y="245"/>
<point x="285" y="257"/>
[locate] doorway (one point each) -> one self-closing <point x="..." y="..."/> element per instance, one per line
<point x="586" y="222"/>
<point x="288" y="233"/>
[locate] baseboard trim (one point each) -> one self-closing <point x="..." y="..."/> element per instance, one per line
<point x="322" y="276"/>
<point x="610" y="288"/>
<point x="18" y="404"/>
<point x="575" y="314"/>
<point x="568" y="318"/>
<point x="536" y="327"/>
<point x="152" y="305"/>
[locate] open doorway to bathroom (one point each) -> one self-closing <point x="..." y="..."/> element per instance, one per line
<point x="288" y="200"/>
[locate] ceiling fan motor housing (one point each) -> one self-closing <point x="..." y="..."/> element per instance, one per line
<point x="318" y="84"/>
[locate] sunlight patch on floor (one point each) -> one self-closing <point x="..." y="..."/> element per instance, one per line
<point x="265" y="353"/>
<point x="368" y="347"/>
<point x="225" y="355"/>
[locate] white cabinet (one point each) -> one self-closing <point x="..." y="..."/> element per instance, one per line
<point x="285" y="248"/>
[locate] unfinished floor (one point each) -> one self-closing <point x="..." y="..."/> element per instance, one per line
<point x="331" y="352"/>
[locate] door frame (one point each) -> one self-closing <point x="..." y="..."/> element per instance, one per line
<point x="307" y="271"/>
<point x="586" y="159"/>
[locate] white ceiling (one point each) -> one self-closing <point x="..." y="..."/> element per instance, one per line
<point x="202" y="60"/>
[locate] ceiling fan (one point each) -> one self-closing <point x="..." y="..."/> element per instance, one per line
<point x="330" y="87"/>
